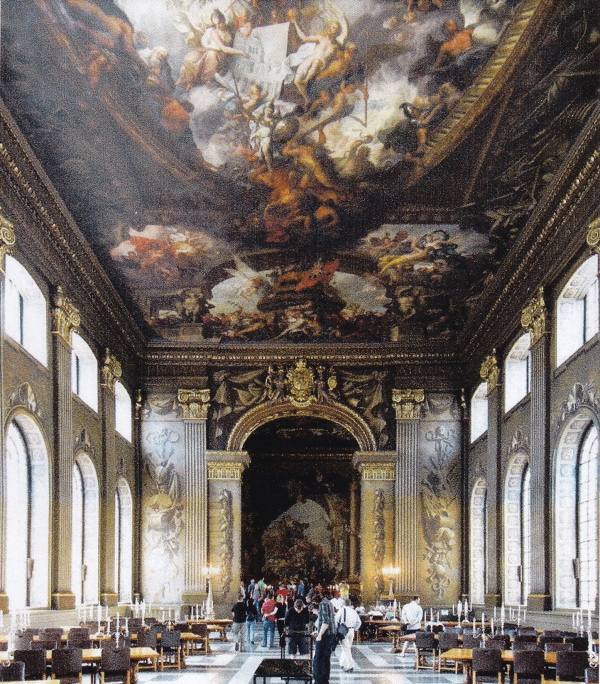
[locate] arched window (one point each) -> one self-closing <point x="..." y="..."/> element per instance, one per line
<point x="587" y="520"/>
<point x="84" y="372"/>
<point x="123" y="540"/>
<point x="478" y="541"/>
<point x="517" y="372"/>
<point x="84" y="569"/>
<point x="25" y="311"/>
<point x="517" y="531"/>
<point x="122" y="411"/>
<point x="577" y="310"/>
<point x="479" y="411"/>
<point x="27" y="535"/>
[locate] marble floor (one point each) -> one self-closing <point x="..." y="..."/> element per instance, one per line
<point x="376" y="664"/>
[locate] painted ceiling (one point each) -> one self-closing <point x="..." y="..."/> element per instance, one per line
<point x="293" y="171"/>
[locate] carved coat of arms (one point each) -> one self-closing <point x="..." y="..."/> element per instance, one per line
<point x="301" y="384"/>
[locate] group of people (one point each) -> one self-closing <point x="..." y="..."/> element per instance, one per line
<point x="296" y="612"/>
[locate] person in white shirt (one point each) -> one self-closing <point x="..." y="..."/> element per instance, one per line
<point x="412" y="615"/>
<point x="349" y="617"/>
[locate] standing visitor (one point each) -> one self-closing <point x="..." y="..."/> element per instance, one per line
<point x="269" y="613"/>
<point x="349" y="617"/>
<point x="251" y="618"/>
<point x="296" y="622"/>
<point x="324" y="641"/>
<point x="238" y="628"/>
<point x="412" y="614"/>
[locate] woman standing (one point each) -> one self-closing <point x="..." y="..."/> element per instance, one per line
<point x="251" y="618"/>
<point x="324" y="641"/>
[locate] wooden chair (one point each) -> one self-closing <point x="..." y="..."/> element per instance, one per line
<point x="470" y="641"/>
<point x="528" y="667"/>
<point x="12" y="672"/>
<point x="44" y="645"/>
<point x="487" y="665"/>
<point x="591" y="675"/>
<point x="55" y="633"/>
<point x="571" y="665"/>
<point x="446" y="641"/>
<point x="426" y="648"/>
<point x="34" y="661"/>
<point x="580" y="643"/>
<point x="148" y="639"/>
<point x="500" y="641"/>
<point x="201" y="643"/>
<point x="170" y="649"/>
<point x="555" y="647"/>
<point x="67" y="665"/>
<point x="23" y="642"/>
<point x="526" y="646"/>
<point x="115" y="664"/>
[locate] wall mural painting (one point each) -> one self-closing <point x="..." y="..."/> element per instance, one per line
<point x="236" y="164"/>
<point x="162" y="516"/>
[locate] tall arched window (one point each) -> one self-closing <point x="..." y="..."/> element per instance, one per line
<point x="123" y="417"/>
<point x="27" y="535"/>
<point x="84" y="372"/>
<point x="577" y="310"/>
<point x="517" y="531"/>
<point x="478" y="541"/>
<point x="517" y="372"/>
<point x="576" y="505"/>
<point x="479" y="411"/>
<point x="85" y="550"/>
<point x="25" y="311"/>
<point x="123" y="540"/>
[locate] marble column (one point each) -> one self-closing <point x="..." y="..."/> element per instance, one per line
<point x="378" y="476"/>
<point x="195" y="404"/>
<point x="407" y="404"/>
<point x="65" y="318"/>
<point x="353" y="569"/>
<point x="224" y="559"/>
<point x="491" y="374"/>
<point x="7" y="240"/>
<point x="110" y="372"/>
<point x="137" y="496"/>
<point x="534" y="321"/>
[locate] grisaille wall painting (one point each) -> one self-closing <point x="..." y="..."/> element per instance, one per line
<point x="246" y="169"/>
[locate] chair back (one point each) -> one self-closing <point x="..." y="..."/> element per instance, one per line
<point x="44" y="645"/>
<point x="67" y="662"/>
<point x="501" y="641"/>
<point x="115" y="660"/>
<point x="551" y="646"/>
<point x="529" y="664"/>
<point x="470" y="641"/>
<point x="591" y="675"/>
<point x="447" y="640"/>
<point x="123" y="642"/>
<point x="146" y="638"/>
<point x="79" y="642"/>
<point x="487" y="661"/>
<point x="92" y="626"/>
<point x="34" y="661"/>
<point x="571" y="665"/>
<point x="199" y="628"/>
<point x="526" y="646"/>
<point x="523" y="638"/>
<point x="23" y="642"/>
<point x="580" y="643"/>
<point x="169" y="638"/>
<point x="55" y="633"/>
<point x="12" y="672"/>
<point x="528" y="631"/>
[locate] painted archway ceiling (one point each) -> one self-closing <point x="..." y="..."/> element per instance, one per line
<point x="285" y="170"/>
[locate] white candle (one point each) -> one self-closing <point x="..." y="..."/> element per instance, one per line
<point x="117" y="623"/>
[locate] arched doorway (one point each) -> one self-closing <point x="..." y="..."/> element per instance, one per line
<point x="296" y="500"/>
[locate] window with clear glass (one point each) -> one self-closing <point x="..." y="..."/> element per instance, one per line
<point x="123" y="415"/>
<point x="123" y="540"/>
<point x="517" y="530"/>
<point x="577" y="310"/>
<point x="517" y="372"/>
<point x="587" y="520"/>
<point x="85" y="531"/>
<point x="84" y="372"/>
<point x="478" y="541"/>
<point x="479" y="412"/>
<point x="25" y="311"/>
<point x="525" y="535"/>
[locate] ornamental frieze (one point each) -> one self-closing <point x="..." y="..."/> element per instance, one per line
<point x="195" y="403"/>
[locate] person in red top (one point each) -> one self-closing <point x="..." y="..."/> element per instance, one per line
<point x="269" y="611"/>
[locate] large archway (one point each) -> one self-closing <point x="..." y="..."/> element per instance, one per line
<point x="296" y="500"/>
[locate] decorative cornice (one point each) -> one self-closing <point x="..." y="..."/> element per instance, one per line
<point x="533" y="318"/>
<point x="111" y="371"/>
<point x="7" y="239"/>
<point x="65" y="316"/>
<point x="592" y="237"/>
<point x="490" y="372"/>
<point x="24" y="396"/>
<point x="408" y="403"/>
<point x="195" y="403"/>
<point x="219" y="470"/>
<point x="377" y="472"/>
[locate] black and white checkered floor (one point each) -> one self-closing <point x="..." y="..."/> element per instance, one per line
<point x="376" y="664"/>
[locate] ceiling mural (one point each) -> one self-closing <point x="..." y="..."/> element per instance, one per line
<point x="239" y="166"/>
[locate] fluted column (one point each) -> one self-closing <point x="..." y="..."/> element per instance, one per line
<point x="491" y="374"/>
<point x="65" y="318"/>
<point x="195" y="404"/>
<point x="111" y="372"/>
<point x="353" y="569"/>
<point x="407" y="404"/>
<point x="534" y="321"/>
<point x="7" y="240"/>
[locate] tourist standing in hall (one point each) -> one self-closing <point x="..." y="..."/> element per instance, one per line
<point x="349" y="617"/>
<point x="238" y="629"/>
<point x="281" y="611"/>
<point x="324" y="641"/>
<point x="269" y="613"/>
<point x="251" y="619"/>
<point x="296" y="622"/>
<point x="412" y="615"/>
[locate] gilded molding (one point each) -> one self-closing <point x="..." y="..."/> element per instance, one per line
<point x="7" y="239"/>
<point x="65" y="316"/>
<point x="408" y="403"/>
<point x="490" y="372"/>
<point x="111" y="371"/>
<point x="592" y="237"/>
<point x="195" y="403"/>
<point x="218" y="470"/>
<point x="533" y="318"/>
<point x="377" y="472"/>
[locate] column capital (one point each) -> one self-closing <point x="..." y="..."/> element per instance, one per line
<point x="407" y="403"/>
<point x="65" y="316"/>
<point x="227" y="465"/>
<point x="592" y="237"/>
<point x="195" y="403"/>
<point x="490" y="372"/>
<point x="7" y="239"/>
<point x="533" y="317"/>
<point x="111" y="371"/>
<point x="376" y="465"/>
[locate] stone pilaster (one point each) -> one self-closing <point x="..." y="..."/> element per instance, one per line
<point x="137" y="498"/>
<point x="407" y="404"/>
<point x="378" y="474"/>
<point x="534" y="321"/>
<point x="224" y="557"/>
<point x="65" y="318"/>
<point x="195" y="404"/>
<point x="491" y="374"/>
<point x="354" y="570"/>
<point x="110" y="373"/>
<point x="7" y="240"/>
